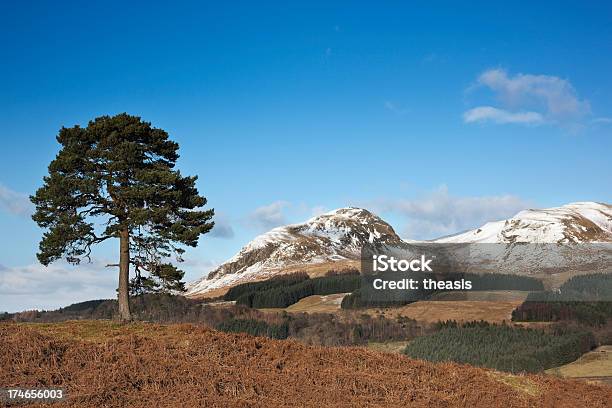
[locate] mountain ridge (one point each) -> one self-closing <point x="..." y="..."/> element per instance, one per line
<point x="574" y="222"/>
<point x="335" y="236"/>
<point x="338" y="236"/>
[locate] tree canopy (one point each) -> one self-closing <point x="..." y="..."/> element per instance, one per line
<point x="116" y="178"/>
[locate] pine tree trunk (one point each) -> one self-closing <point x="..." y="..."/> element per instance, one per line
<point x="124" y="275"/>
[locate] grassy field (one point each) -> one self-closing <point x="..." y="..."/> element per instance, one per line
<point x="593" y="366"/>
<point x="484" y="296"/>
<point x="490" y="306"/>
<point x="318" y="304"/>
<point x="459" y="310"/>
<point x="493" y="307"/>
<point x="393" y="347"/>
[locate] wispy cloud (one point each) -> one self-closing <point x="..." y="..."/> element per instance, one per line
<point x="495" y="115"/>
<point x="439" y="213"/>
<point x="38" y="287"/>
<point x="528" y="99"/>
<point x="268" y="216"/>
<point x="14" y="202"/>
<point x="317" y="210"/>
<point x="222" y="228"/>
<point x="195" y="267"/>
<point x="35" y="286"/>
<point x="281" y="213"/>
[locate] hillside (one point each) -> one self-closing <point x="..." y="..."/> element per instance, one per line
<point x="334" y="237"/>
<point x="595" y="366"/>
<point x="583" y="222"/>
<point x="137" y="365"/>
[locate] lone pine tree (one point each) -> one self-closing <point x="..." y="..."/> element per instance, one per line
<point x="116" y="179"/>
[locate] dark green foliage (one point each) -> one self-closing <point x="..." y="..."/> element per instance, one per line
<point x="589" y="313"/>
<point x="278" y="281"/>
<point x="585" y="299"/>
<point x="255" y="328"/>
<point x="139" y="285"/>
<point x="158" y="307"/>
<point x="83" y="306"/>
<point x="361" y="298"/>
<point x="593" y="287"/>
<point x="162" y="278"/>
<point x="345" y="271"/>
<point x="280" y="296"/>
<point x="501" y="281"/>
<point x="115" y="178"/>
<point x="446" y="324"/>
<point x="501" y="347"/>
<point x="352" y="300"/>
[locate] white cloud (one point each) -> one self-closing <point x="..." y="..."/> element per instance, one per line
<point x="440" y="213"/>
<point x="268" y="216"/>
<point x="195" y="268"/>
<point x="14" y="202"/>
<point x="528" y="99"/>
<point x="491" y="114"/>
<point x="433" y="215"/>
<point x="281" y="213"/>
<point x="38" y="287"/>
<point x="222" y="228"/>
<point x="317" y="210"/>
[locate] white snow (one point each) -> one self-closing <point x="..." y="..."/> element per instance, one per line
<point x="540" y="226"/>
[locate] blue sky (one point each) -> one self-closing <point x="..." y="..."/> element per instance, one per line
<point x="435" y="116"/>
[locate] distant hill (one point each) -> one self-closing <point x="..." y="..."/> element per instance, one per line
<point x="330" y="238"/>
<point x="582" y="222"/>
<point x="337" y="237"/>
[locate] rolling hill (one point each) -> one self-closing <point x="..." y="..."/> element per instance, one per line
<point x="102" y="363"/>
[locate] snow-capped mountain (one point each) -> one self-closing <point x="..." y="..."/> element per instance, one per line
<point x="335" y="236"/>
<point x="571" y="223"/>
<point x="563" y="241"/>
<point x="339" y="236"/>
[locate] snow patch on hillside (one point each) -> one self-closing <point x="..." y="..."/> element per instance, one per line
<point x="334" y="236"/>
<point x="575" y="222"/>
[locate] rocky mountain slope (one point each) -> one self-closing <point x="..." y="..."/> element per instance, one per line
<point x="562" y="242"/>
<point x="340" y="234"/>
<point x="571" y="223"/>
<point x="335" y="236"/>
